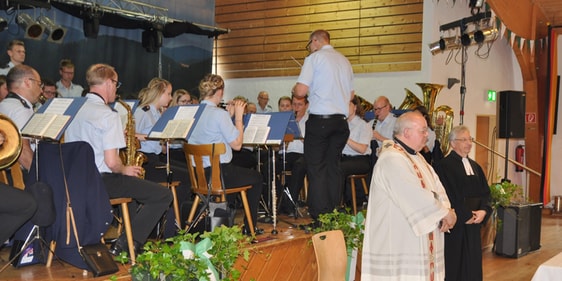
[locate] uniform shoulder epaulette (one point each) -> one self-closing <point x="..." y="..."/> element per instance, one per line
<point x="146" y="108"/>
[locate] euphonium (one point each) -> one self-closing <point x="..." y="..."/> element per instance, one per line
<point x="430" y="92"/>
<point x="441" y="117"/>
<point x="367" y="106"/>
<point x="442" y="122"/>
<point x="130" y="156"/>
<point x="10" y="142"/>
<point x="410" y="102"/>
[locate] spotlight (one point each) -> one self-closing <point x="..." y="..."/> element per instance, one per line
<point x="479" y="36"/>
<point x="443" y="44"/>
<point x="3" y="24"/>
<point x="450" y="43"/>
<point x="33" y="29"/>
<point x="56" y="32"/>
<point x="466" y="39"/>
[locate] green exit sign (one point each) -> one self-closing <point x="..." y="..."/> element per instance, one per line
<point x="491" y="95"/>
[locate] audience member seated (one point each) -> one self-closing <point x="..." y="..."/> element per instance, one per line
<point x="263" y="100"/>
<point x="356" y="154"/>
<point x="215" y="125"/>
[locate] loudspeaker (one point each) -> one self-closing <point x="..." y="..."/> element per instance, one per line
<point x="519" y="232"/>
<point x="511" y="115"/>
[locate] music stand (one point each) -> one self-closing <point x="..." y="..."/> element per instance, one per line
<point x="268" y="129"/>
<point x="176" y="123"/>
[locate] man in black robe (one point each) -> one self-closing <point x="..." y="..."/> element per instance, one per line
<point x="469" y="194"/>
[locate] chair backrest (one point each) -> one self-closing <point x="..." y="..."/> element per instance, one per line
<point x="331" y="255"/>
<point x="194" y="154"/>
<point x="15" y="174"/>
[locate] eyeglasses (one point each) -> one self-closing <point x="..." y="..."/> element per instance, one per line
<point x="117" y="83"/>
<point x="464" y="140"/>
<point x="308" y="44"/>
<point x="41" y="84"/>
<point x="379" y="108"/>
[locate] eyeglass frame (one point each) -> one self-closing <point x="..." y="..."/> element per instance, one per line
<point x="41" y="83"/>
<point x="117" y="83"/>
<point x="380" y="108"/>
<point x="465" y="140"/>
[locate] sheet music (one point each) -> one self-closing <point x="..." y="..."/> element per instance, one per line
<point x="259" y="120"/>
<point x="45" y="125"/>
<point x="59" y="106"/>
<point x="175" y="129"/>
<point x="186" y="112"/>
<point x="255" y="134"/>
<point x="54" y="129"/>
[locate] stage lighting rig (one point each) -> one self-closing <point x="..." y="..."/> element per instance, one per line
<point x="3" y="24"/>
<point x="33" y="29"/>
<point x="55" y="32"/>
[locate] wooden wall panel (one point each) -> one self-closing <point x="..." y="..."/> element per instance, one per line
<point x="268" y="38"/>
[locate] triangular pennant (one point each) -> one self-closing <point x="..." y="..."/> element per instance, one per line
<point x="532" y="46"/>
<point x="511" y="37"/>
<point x="521" y="43"/>
<point x="503" y="29"/>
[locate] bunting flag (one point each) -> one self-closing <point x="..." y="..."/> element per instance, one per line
<point x="522" y="43"/>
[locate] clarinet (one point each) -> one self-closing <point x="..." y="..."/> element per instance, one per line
<point x="374" y="144"/>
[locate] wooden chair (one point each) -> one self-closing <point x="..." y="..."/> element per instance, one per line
<point x="16" y="175"/>
<point x="331" y="255"/>
<point x="173" y="186"/>
<point x="352" y="179"/>
<point x="194" y="154"/>
<point x="126" y="221"/>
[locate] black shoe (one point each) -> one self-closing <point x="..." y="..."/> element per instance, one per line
<point x="311" y="226"/>
<point x="119" y="246"/>
<point x="257" y="231"/>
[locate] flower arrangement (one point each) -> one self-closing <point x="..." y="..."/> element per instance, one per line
<point x="187" y="256"/>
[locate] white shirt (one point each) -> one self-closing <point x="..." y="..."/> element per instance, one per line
<point x="359" y="131"/>
<point x="97" y="124"/>
<point x="74" y="91"/>
<point x="144" y="121"/>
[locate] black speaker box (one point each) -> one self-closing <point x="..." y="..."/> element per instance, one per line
<point x="519" y="230"/>
<point x="511" y="115"/>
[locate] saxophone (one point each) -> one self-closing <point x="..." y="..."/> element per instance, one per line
<point x="130" y="156"/>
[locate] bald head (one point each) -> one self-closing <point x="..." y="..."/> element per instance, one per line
<point x="411" y="129"/>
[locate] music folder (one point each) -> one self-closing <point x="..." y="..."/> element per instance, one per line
<point x="266" y="128"/>
<point x="177" y="122"/>
<point x="293" y="128"/>
<point x="51" y="119"/>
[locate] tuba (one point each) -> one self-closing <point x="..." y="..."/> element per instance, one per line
<point x="441" y="117"/>
<point x="10" y="142"/>
<point x="410" y="102"/>
<point x="130" y="156"/>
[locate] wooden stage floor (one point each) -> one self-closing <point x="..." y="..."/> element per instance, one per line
<point x="496" y="268"/>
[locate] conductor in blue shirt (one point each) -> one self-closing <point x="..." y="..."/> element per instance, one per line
<point x="327" y="77"/>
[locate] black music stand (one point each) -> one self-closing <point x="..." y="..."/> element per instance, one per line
<point x="268" y="129"/>
<point x="176" y="123"/>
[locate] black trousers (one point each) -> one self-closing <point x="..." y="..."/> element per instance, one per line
<point x="323" y="144"/>
<point x="354" y="165"/>
<point x="16" y="207"/>
<point x="154" y="197"/>
<point x="295" y="163"/>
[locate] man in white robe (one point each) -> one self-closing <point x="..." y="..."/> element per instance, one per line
<point x="408" y="210"/>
